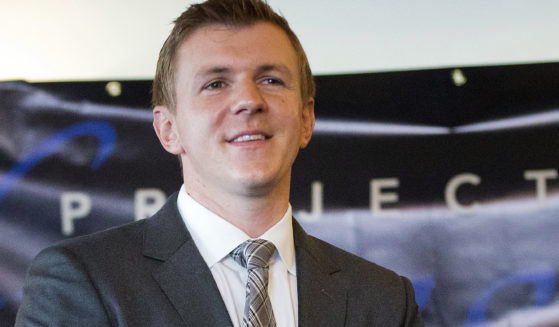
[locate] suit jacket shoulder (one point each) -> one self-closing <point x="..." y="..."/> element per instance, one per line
<point x="146" y="273"/>
<point x="349" y="290"/>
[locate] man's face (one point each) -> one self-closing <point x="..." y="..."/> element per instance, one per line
<point x="240" y="119"/>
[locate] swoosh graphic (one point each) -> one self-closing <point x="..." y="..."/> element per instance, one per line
<point x="101" y="129"/>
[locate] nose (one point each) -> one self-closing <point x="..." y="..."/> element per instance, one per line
<point x="247" y="99"/>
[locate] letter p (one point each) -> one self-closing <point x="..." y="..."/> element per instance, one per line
<point x="73" y="205"/>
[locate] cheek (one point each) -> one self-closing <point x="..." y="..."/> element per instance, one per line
<point x="288" y="108"/>
<point x="187" y="127"/>
<point x="209" y="114"/>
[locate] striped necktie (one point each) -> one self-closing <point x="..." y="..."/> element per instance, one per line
<point x="254" y="255"/>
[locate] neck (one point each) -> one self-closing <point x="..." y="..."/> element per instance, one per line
<point x="253" y="213"/>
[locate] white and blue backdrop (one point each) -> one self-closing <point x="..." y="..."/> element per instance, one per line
<point x="448" y="176"/>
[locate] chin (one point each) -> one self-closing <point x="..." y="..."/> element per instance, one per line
<point x="257" y="181"/>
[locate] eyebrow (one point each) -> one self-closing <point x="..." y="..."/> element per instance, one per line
<point x="271" y="67"/>
<point x="216" y="70"/>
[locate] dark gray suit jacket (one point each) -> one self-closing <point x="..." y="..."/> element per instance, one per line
<point x="150" y="273"/>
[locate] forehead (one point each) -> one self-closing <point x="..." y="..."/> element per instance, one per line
<point x="240" y="47"/>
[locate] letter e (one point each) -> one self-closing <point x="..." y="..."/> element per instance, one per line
<point x="378" y="197"/>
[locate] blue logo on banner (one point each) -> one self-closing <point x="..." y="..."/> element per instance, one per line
<point x="102" y="130"/>
<point x="423" y="288"/>
<point x="542" y="281"/>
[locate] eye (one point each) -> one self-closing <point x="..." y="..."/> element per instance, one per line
<point x="272" y="81"/>
<point x="214" y="85"/>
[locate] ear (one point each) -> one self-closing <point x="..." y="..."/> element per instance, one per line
<point x="165" y="128"/>
<point x="308" y="122"/>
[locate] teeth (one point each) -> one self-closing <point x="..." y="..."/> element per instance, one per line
<point x="253" y="137"/>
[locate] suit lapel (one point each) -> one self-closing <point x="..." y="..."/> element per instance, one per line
<point x="322" y="296"/>
<point x="183" y="276"/>
<point x="187" y="281"/>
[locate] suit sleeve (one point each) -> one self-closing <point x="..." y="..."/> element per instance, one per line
<point x="413" y="318"/>
<point x="59" y="292"/>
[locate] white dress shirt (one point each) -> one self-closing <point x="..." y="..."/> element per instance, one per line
<point x="216" y="238"/>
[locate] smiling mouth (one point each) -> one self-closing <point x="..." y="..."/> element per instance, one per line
<point x="248" y="138"/>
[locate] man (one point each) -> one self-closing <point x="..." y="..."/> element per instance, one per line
<point x="233" y="99"/>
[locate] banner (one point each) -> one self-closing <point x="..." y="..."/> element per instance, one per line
<point x="447" y="176"/>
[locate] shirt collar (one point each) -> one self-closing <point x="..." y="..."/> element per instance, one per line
<point x="216" y="238"/>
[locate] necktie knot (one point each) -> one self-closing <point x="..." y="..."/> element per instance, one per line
<point x="254" y="253"/>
